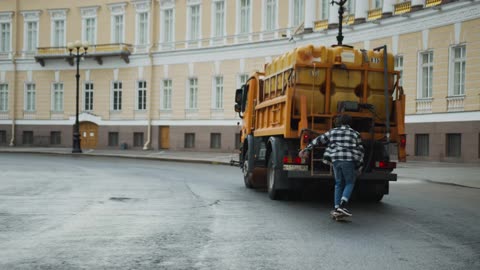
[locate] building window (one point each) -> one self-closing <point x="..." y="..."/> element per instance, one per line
<point x="298" y="12"/>
<point x="167" y="95"/>
<point x="377" y="4"/>
<point x="218" y="94"/>
<point x="137" y="139"/>
<point x="4" y="37"/>
<point x="3" y="97"/>
<point x="55" y="138"/>
<point x="118" y="28"/>
<point x="193" y="93"/>
<point x="242" y="79"/>
<point x="90" y="33"/>
<point x="194" y="22"/>
<point x="112" y="138"/>
<point x="142" y="95"/>
<point x="31" y="35"/>
<point x="142" y="37"/>
<point x="58" y="33"/>
<point x="325" y="9"/>
<point x="168" y="25"/>
<point x="189" y="140"/>
<point x="117" y="96"/>
<point x="399" y="67"/>
<point x="426" y="74"/>
<point x="30" y="97"/>
<point x="57" y="97"/>
<point x="457" y="71"/>
<point x="245" y="16"/>
<point x="238" y="141"/>
<point x="454" y="145"/>
<point x="218" y="18"/>
<point x="88" y="98"/>
<point x="421" y="145"/>
<point x="215" y="140"/>
<point x="271" y="15"/>
<point x="350" y="7"/>
<point x="3" y="137"/>
<point x="27" y="137"/>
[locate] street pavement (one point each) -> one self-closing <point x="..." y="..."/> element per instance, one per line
<point x="464" y="174"/>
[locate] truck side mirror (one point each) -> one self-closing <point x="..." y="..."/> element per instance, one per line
<point x="238" y="96"/>
<point x="238" y="108"/>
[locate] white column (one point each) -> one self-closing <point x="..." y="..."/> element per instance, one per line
<point x="309" y="14"/>
<point x="388" y="6"/>
<point x="361" y="8"/>
<point x="333" y="14"/>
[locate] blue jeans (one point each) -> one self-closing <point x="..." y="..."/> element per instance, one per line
<point x="344" y="180"/>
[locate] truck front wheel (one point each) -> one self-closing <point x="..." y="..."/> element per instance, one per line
<point x="247" y="172"/>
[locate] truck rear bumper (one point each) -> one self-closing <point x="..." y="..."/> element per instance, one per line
<point x="371" y="176"/>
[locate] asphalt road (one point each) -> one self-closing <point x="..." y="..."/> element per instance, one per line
<point x="106" y="213"/>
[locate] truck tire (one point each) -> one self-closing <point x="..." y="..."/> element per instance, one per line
<point x="247" y="171"/>
<point x="272" y="179"/>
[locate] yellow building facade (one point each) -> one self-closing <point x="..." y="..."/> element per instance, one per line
<point x="161" y="74"/>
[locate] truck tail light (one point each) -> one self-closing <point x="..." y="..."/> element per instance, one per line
<point x="306" y="138"/>
<point x="403" y="140"/>
<point x="385" y="165"/>
<point x="292" y="160"/>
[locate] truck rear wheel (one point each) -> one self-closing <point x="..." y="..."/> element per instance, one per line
<point x="273" y="177"/>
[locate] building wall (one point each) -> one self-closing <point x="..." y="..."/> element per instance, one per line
<point x="407" y="36"/>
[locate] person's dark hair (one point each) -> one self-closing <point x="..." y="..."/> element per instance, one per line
<point x="343" y="119"/>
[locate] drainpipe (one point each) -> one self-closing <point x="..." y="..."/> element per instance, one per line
<point x="148" y="143"/>
<point x="14" y="62"/>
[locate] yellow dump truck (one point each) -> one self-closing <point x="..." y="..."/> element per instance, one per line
<point x="298" y="96"/>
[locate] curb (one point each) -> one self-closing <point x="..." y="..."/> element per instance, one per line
<point x="200" y="161"/>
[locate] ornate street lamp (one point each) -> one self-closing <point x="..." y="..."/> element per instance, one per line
<point x="74" y="48"/>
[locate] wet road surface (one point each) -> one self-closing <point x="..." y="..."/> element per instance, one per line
<point x="107" y="213"/>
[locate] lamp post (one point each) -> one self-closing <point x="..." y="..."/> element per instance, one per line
<point x="74" y="49"/>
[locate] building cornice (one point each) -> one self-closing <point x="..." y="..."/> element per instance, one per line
<point x="59" y="13"/>
<point x="31" y="15"/>
<point x="89" y="11"/>
<point x="6" y="16"/>
<point x="117" y="8"/>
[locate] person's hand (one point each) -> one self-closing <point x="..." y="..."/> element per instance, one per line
<point x="304" y="153"/>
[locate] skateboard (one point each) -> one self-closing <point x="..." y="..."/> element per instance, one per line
<point x="338" y="216"/>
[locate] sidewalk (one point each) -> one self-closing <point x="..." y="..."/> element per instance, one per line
<point x="465" y="174"/>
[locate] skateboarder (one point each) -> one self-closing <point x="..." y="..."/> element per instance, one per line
<point x="345" y="152"/>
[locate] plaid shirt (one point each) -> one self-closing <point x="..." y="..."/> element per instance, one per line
<point x="344" y="143"/>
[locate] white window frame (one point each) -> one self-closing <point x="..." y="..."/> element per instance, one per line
<point x="240" y="81"/>
<point x="324" y="9"/>
<point x="451" y="70"/>
<point x="89" y="13"/>
<point x="166" y="95"/>
<point x="167" y="6"/>
<point x="214" y="24"/>
<point x="58" y="15"/>
<point x="116" y="10"/>
<point x="57" y="95"/>
<point x="293" y="13"/>
<point x="421" y="66"/>
<point x="350" y="7"/>
<point x="189" y="37"/>
<point x="88" y="103"/>
<point x="29" y="104"/>
<point x="6" y="18"/>
<point x="117" y="86"/>
<point x="192" y="94"/>
<point x="239" y="18"/>
<point x="218" y="91"/>
<point x="145" y="15"/>
<point x="265" y="15"/>
<point x="377" y="4"/>
<point x="30" y="17"/>
<point x="399" y="67"/>
<point x="141" y="7"/>
<point x="141" y="95"/>
<point x="4" y="97"/>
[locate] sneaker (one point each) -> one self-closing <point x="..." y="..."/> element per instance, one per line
<point x="344" y="211"/>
